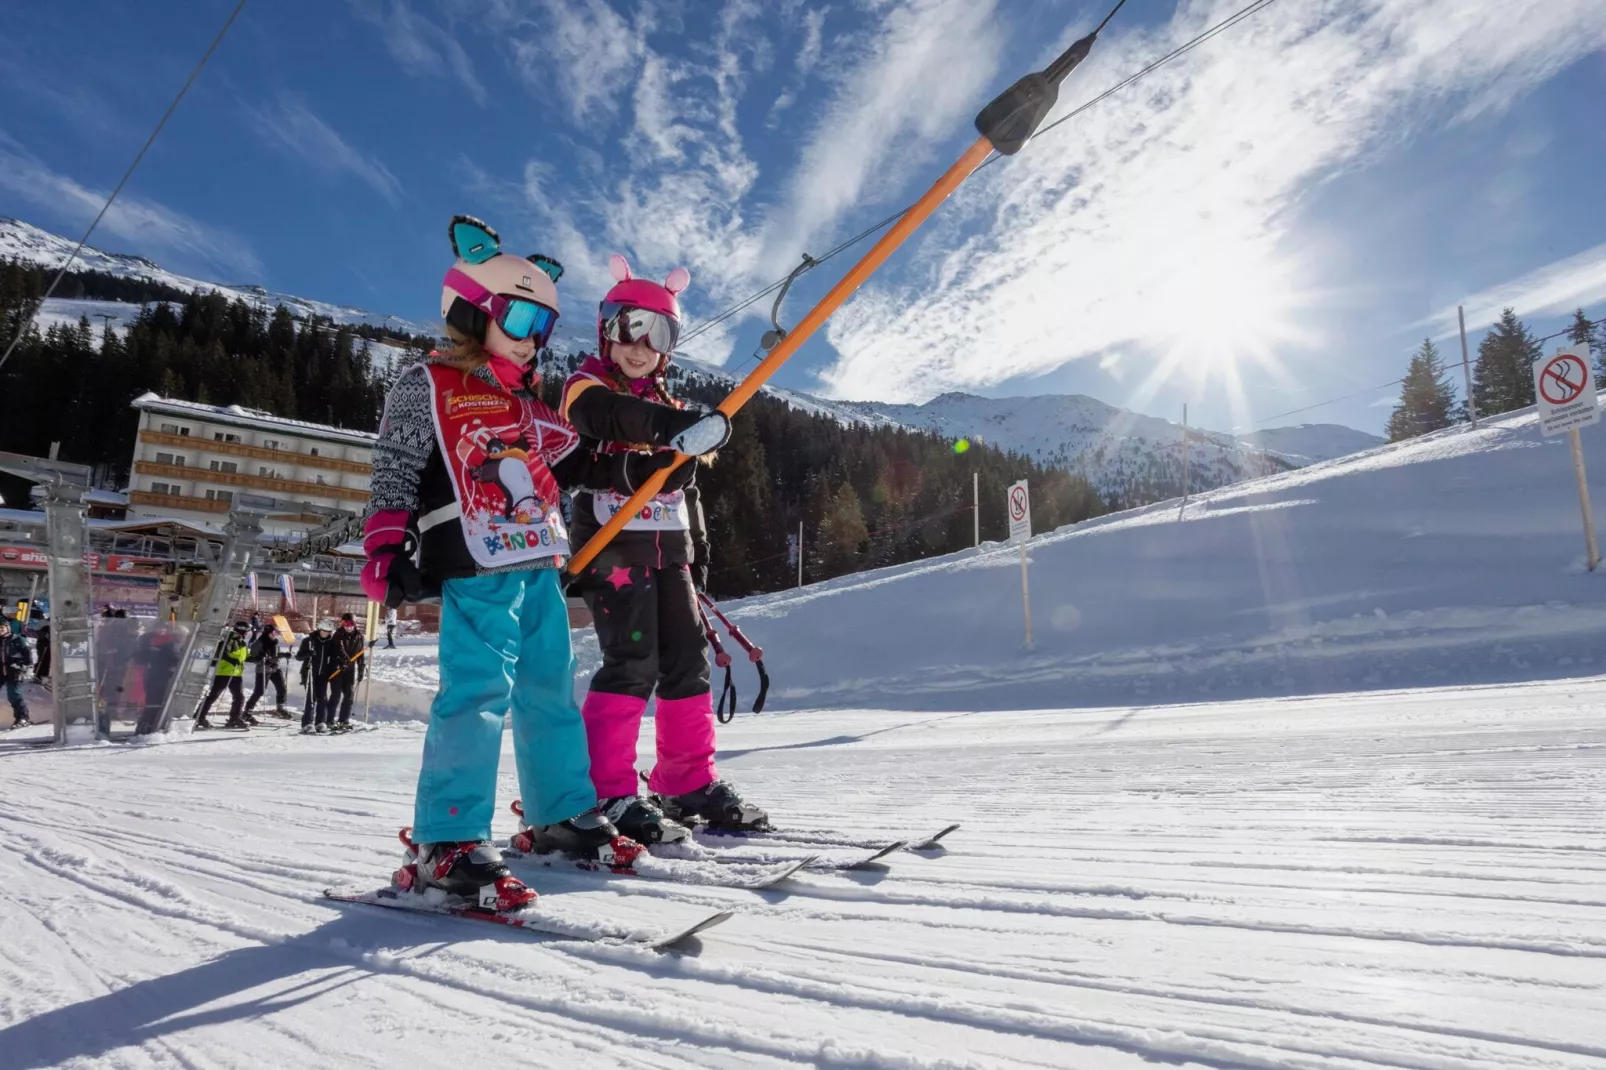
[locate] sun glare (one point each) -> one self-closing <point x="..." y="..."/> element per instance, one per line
<point x="1230" y="304"/>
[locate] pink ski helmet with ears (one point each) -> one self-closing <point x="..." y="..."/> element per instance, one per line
<point x="639" y="310"/>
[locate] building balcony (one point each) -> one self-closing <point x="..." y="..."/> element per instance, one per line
<point x="196" y="444"/>
<point x="177" y="501"/>
<point x="293" y="488"/>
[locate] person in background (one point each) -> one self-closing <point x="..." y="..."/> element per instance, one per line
<point x="157" y="657"/>
<point x="350" y="669"/>
<point x="41" y="670"/>
<point x="264" y="653"/>
<point x="230" y="657"/>
<point x="15" y="657"/>
<point x="390" y="629"/>
<point x="319" y="658"/>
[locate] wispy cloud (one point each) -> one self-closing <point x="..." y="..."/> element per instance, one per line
<point x="291" y="126"/>
<point x="150" y="228"/>
<point x="911" y="80"/>
<point x="1558" y="287"/>
<point x="583" y="50"/>
<point x="1091" y="237"/>
<point x="419" y="46"/>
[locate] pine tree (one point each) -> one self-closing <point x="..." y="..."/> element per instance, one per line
<point x="1585" y="332"/>
<point x="1502" y="379"/>
<point x="1427" y="400"/>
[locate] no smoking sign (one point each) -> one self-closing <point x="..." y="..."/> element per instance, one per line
<point x="1565" y="392"/>
<point x="1020" y="512"/>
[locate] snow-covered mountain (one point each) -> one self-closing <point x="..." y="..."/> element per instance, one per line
<point x="1128" y="457"/>
<point x="31" y="244"/>
<point x="1309" y="443"/>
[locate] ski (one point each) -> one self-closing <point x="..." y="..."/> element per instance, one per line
<point x="536" y="921"/>
<point x="757" y="855"/>
<point x="738" y="873"/>
<point x="806" y="838"/>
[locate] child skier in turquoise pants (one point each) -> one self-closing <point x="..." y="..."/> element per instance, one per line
<point x="467" y="471"/>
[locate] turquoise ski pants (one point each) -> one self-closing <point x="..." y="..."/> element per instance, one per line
<point x="504" y="646"/>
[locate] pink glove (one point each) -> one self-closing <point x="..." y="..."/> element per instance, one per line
<point x="384" y="541"/>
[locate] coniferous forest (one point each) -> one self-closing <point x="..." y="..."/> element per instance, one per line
<point x="866" y="497"/>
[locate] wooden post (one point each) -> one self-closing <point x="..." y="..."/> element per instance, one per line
<point x="1025" y="596"/>
<point x="975" y="506"/>
<point x="1590" y="545"/>
<point x="1466" y="370"/>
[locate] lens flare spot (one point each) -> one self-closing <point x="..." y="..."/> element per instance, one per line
<point x="962" y="446"/>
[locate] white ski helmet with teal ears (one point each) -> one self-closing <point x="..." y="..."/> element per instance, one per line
<point x="519" y="293"/>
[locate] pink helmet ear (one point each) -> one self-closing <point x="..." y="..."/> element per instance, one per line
<point x="678" y="280"/>
<point x="619" y="267"/>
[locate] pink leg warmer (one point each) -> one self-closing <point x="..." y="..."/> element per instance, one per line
<point x="612" y="724"/>
<point x="685" y="745"/>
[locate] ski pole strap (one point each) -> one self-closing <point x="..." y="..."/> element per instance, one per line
<point x="727" y="695"/>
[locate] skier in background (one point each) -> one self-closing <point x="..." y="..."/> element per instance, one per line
<point x="264" y="653"/>
<point x="348" y="673"/>
<point x="230" y="659"/>
<point x="642" y="588"/>
<point x="15" y="657"/>
<point x="319" y="657"/>
<point x="41" y="672"/>
<point x="504" y="622"/>
<point x="390" y="628"/>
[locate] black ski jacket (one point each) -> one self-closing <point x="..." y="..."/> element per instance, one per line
<point x="319" y="656"/>
<point x="15" y="655"/>
<point x="349" y="644"/>
<point x="265" y="651"/>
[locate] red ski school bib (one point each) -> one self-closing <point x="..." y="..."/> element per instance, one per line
<point x="497" y="448"/>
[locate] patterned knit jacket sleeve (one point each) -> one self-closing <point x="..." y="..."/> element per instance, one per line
<point x="406" y="437"/>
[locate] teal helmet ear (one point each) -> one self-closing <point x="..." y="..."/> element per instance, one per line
<point x="548" y="264"/>
<point x="473" y="240"/>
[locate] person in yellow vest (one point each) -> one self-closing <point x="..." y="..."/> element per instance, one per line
<point x="231" y="654"/>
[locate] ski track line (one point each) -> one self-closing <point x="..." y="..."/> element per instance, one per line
<point x="1239" y="1002"/>
<point x="70" y="866"/>
<point x="1215" y="1046"/>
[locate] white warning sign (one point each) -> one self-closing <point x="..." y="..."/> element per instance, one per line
<point x="1020" y="513"/>
<point x="1565" y="390"/>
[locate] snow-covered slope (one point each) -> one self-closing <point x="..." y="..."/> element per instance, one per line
<point x="1452" y="558"/>
<point x="32" y="244"/>
<point x="1404" y="880"/>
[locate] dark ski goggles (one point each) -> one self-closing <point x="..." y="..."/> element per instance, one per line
<point x="627" y="325"/>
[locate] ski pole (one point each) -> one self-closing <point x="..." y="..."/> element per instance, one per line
<point x="755" y="654"/>
<point x="1006" y="124"/>
<point x="723" y="661"/>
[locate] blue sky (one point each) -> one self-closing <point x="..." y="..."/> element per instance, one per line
<point x="1274" y="220"/>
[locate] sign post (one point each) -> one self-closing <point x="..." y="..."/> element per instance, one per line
<point x="1020" y="529"/>
<point x="371" y="634"/>
<point x="1565" y="390"/>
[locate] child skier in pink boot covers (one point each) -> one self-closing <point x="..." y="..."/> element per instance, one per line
<point x="641" y="588"/>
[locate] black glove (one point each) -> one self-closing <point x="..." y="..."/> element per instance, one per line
<point x="639" y="467"/>
<point x="406" y="583"/>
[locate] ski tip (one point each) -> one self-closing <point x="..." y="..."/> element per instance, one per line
<point x="934" y="841"/>
<point x="669" y="942"/>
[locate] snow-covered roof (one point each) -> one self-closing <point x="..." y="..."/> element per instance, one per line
<point x="239" y="416"/>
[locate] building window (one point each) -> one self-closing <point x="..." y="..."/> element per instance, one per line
<point x="271" y="473"/>
<point x="225" y="466"/>
<point x="174" y="429"/>
<point x="220" y="496"/>
<point x="270" y="443"/>
<point x="320" y="480"/>
<point x="220" y="436"/>
<point x="313" y="451"/>
<point x="167" y="458"/>
<point x="166" y="488"/>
